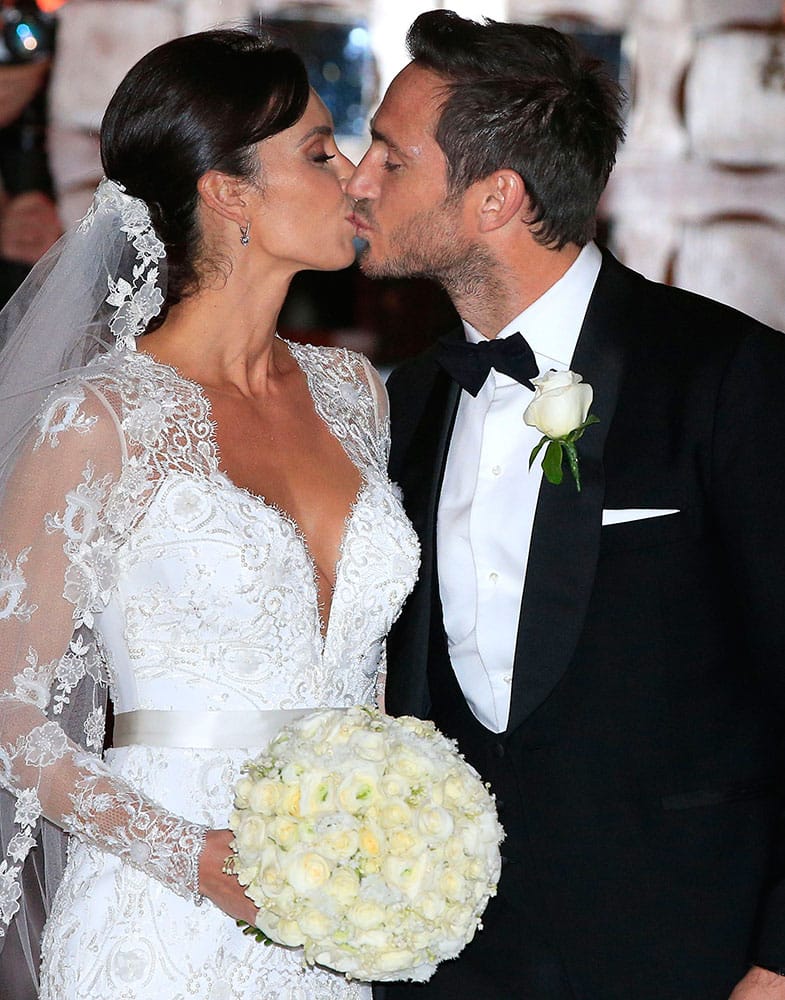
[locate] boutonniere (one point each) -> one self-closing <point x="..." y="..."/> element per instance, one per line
<point x="560" y="410"/>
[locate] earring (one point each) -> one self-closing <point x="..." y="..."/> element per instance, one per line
<point x="245" y="239"/>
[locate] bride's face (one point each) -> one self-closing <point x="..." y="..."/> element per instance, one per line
<point x="301" y="216"/>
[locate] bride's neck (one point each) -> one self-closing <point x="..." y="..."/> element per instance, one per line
<point x="223" y="336"/>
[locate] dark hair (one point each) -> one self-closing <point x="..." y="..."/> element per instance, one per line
<point x="197" y="103"/>
<point x="526" y="98"/>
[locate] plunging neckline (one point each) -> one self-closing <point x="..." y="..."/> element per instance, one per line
<point x="284" y="516"/>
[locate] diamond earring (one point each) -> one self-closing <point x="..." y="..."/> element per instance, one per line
<point x="245" y="239"/>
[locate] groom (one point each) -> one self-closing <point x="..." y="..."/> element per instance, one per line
<point x="612" y="660"/>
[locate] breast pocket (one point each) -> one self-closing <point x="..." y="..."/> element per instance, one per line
<point x="647" y="532"/>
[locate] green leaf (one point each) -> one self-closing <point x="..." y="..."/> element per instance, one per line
<point x="551" y="464"/>
<point x="572" y="458"/>
<point x="578" y="432"/>
<point x="536" y="449"/>
<point x="254" y="932"/>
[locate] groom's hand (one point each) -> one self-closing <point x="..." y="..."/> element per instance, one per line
<point x="760" y="984"/>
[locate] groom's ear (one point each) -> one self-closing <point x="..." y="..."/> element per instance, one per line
<point x="501" y="198"/>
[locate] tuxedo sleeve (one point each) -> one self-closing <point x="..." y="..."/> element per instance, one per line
<point x="748" y="500"/>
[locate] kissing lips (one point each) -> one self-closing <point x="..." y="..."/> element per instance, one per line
<point x="360" y="224"/>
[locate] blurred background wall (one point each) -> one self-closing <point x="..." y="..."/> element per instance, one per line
<point x="697" y="197"/>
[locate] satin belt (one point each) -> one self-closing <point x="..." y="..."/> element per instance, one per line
<point x="223" y="730"/>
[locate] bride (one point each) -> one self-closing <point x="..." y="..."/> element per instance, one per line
<point x="198" y="518"/>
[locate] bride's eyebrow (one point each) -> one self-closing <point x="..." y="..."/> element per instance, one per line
<point x="325" y="130"/>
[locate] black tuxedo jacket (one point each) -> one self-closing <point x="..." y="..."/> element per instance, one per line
<point x="648" y="700"/>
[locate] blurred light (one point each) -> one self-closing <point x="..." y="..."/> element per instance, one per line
<point x="26" y="37"/>
<point x="331" y="72"/>
<point x="339" y="62"/>
<point x="48" y="6"/>
<point x="359" y="37"/>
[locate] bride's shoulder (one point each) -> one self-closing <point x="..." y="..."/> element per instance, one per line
<point x="338" y="365"/>
<point x="132" y="380"/>
<point x="132" y="394"/>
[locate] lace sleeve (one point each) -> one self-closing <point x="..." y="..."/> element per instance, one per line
<point x="381" y="406"/>
<point x="57" y="567"/>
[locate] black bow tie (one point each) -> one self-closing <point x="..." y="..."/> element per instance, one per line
<point x="469" y="364"/>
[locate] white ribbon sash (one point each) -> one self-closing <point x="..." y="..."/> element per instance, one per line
<point x="202" y="730"/>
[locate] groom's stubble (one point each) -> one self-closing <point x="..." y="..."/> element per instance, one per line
<point x="430" y="244"/>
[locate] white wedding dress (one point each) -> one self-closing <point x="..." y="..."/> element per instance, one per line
<point x="128" y="557"/>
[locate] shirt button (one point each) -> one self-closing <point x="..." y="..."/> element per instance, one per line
<point x="496" y="470"/>
<point x="507" y="678"/>
<point x="493" y="577"/>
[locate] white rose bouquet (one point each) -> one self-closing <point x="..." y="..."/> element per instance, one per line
<point x="368" y="841"/>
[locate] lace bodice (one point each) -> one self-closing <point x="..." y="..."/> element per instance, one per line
<point x="128" y="559"/>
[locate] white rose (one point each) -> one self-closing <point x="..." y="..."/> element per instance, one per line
<point x="404" y="842"/>
<point x="343" y="886"/>
<point x="317" y="794"/>
<point x="377" y="939"/>
<point x="395" y="786"/>
<point x="284" y="832"/>
<point x="251" y="837"/>
<point x="459" y="920"/>
<point x="420" y="727"/>
<point x="368" y="745"/>
<point x="431" y="904"/>
<point x="340" y="844"/>
<point x="453" y="885"/>
<point x="289" y="801"/>
<point x="405" y="874"/>
<point x="262" y="796"/>
<point x="289" y="932"/>
<point x="394" y="961"/>
<point x="371" y="840"/>
<point x="406" y="764"/>
<point x="358" y="790"/>
<point x="456" y="789"/>
<point x="454" y="849"/>
<point x="394" y="813"/>
<point x="366" y="915"/>
<point x="561" y="403"/>
<point x="241" y="792"/>
<point x="247" y="874"/>
<point x="315" y="924"/>
<point x="435" y="822"/>
<point x="307" y="872"/>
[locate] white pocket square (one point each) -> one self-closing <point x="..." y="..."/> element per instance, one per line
<point x="622" y="515"/>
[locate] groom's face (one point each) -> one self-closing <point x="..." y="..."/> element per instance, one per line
<point x="402" y="209"/>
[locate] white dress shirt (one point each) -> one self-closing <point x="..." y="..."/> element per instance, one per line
<point x="489" y="496"/>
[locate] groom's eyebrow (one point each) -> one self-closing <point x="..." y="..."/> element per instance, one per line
<point x="378" y="136"/>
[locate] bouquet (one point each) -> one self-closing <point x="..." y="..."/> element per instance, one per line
<point x="368" y="841"/>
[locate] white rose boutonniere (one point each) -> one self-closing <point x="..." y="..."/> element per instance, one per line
<point x="560" y="410"/>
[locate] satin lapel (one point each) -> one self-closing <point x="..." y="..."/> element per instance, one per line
<point x="566" y="536"/>
<point x="421" y="484"/>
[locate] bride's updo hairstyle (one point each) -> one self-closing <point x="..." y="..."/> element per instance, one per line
<point x="194" y="104"/>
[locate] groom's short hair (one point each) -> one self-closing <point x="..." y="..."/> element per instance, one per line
<point x="526" y="98"/>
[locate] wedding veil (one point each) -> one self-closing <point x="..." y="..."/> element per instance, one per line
<point x="94" y="291"/>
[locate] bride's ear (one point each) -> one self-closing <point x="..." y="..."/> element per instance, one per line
<point x="225" y="195"/>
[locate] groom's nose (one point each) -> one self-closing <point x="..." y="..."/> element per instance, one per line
<point x="362" y="185"/>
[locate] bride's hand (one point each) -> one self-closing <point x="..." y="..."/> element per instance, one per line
<point x="223" y="890"/>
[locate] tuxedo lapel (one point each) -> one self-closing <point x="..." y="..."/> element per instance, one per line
<point x="566" y="534"/>
<point x="420" y="481"/>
